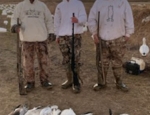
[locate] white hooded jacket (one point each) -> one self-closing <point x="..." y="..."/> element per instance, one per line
<point x="36" y="21"/>
<point x="63" y="14"/>
<point x="116" y="19"/>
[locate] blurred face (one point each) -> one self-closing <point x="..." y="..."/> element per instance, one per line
<point x="31" y="1"/>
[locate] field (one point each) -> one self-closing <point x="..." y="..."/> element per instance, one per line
<point x="135" y="102"/>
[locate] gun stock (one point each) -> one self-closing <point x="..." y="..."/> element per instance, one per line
<point x="22" y="90"/>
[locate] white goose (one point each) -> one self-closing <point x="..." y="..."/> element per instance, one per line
<point x="68" y="112"/>
<point x="34" y="111"/>
<point x="55" y="110"/>
<point x="19" y="110"/>
<point x="46" y="111"/>
<point x="144" y="49"/>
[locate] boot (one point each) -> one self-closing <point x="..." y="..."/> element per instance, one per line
<point x="29" y="86"/>
<point x="76" y="89"/>
<point x="101" y="83"/>
<point x="118" y="75"/>
<point x="98" y="87"/>
<point x="47" y="85"/>
<point x="122" y="87"/>
<point x="68" y="82"/>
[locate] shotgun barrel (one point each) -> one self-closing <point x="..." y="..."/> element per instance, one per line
<point x="73" y="66"/>
<point x="22" y="90"/>
<point x="100" y="49"/>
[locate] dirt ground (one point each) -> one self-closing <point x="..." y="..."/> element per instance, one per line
<point x="135" y="102"/>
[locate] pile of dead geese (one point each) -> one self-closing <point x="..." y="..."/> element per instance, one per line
<point x="48" y="110"/>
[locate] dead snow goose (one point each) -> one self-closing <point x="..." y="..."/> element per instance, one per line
<point x="46" y="111"/>
<point x="34" y="111"/>
<point x="144" y="49"/>
<point x="68" y="112"/>
<point x="55" y="110"/>
<point x="19" y="110"/>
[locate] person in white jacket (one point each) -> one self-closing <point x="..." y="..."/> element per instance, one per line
<point x="115" y="27"/>
<point x="63" y="20"/>
<point x="36" y="26"/>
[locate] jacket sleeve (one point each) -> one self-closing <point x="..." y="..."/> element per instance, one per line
<point x="82" y="15"/>
<point x="129" y="22"/>
<point x="57" y="19"/>
<point x="92" y="19"/>
<point x="49" y="20"/>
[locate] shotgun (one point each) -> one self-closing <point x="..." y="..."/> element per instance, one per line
<point x="73" y="66"/>
<point x="99" y="49"/>
<point x="110" y="112"/>
<point x="22" y="90"/>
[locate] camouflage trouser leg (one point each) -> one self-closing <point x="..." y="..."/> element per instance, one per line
<point x="117" y="51"/>
<point x="28" y="61"/>
<point x="29" y="49"/>
<point x="42" y="54"/>
<point x="112" y="51"/>
<point x="66" y="50"/>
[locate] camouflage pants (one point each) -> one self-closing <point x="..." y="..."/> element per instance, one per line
<point x="66" y="50"/>
<point x="28" y="52"/>
<point x="112" y="52"/>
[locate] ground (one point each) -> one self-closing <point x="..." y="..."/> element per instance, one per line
<point x="135" y="102"/>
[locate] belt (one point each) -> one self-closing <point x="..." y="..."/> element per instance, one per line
<point x="113" y="41"/>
